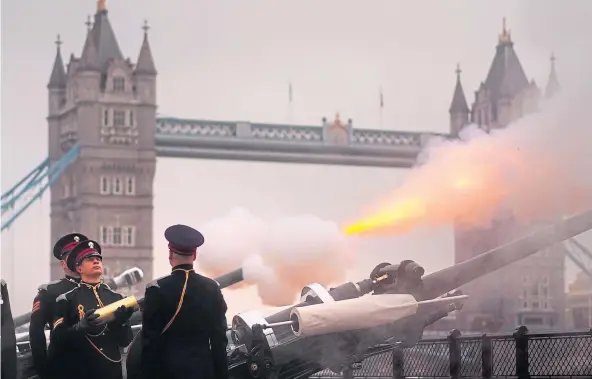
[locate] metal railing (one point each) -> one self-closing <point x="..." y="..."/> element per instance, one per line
<point x="520" y="355"/>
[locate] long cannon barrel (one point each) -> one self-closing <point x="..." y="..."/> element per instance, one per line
<point x="450" y="278"/>
<point x="128" y="278"/>
<point x="230" y="278"/>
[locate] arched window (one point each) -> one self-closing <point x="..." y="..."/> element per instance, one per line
<point x="117" y="185"/>
<point x="105" y="185"/>
<point x="118" y="84"/>
<point x="130" y="185"/>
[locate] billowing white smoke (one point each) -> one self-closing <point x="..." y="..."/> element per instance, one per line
<point x="279" y="256"/>
<point x="537" y="169"/>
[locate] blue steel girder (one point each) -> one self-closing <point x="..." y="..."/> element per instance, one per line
<point x="286" y="143"/>
<point x="35" y="187"/>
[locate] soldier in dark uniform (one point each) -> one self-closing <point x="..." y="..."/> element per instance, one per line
<point x="44" y="309"/>
<point x="97" y="354"/>
<point x="8" y="356"/>
<point x="184" y="317"/>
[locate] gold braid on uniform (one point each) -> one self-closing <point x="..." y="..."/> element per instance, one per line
<point x="180" y="300"/>
<point x="94" y="289"/>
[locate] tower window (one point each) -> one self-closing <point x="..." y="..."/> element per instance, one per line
<point x="117" y="185"/>
<point x="117" y="235"/>
<point x="118" y="84"/>
<point x="118" y="118"/>
<point x="106" y="117"/>
<point x="131" y="119"/>
<point x="104" y="235"/>
<point x="129" y="235"/>
<point x="130" y="185"/>
<point x="105" y="187"/>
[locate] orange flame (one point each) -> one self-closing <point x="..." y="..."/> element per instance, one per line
<point x="470" y="183"/>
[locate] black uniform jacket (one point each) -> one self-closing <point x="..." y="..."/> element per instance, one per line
<point x="194" y="343"/>
<point x="9" y="367"/>
<point x="42" y="314"/>
<point x="94" y="354"/>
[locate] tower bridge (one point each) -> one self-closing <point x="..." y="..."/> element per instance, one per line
<point x="105" y="136"/>
<point x="335" y="142"/>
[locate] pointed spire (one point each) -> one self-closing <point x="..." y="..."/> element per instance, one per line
<point x="57" y="78"/>
<point x="145" y="64"/>
<point x="104" y="37"/>
<point x="506" y="36"/>
<point x="459" y="101"/>
<point x="89" y="58"/>
<point x="506" y="77"/>
<point x="553" y="86"/>
<point x="101" y="6"/>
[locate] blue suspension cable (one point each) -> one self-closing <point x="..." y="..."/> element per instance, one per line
<point x="53" y="174"/>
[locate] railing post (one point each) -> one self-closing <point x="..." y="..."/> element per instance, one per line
<point x="398" y="361"/>
<point x="521" y="338"/>
<point x="486" y="356"/>
<point x="454" y="349"/>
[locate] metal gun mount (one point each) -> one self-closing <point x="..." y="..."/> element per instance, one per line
<point x="268" y="348"/>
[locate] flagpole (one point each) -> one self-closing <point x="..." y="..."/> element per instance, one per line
<point x="381" y="107"/>
<point x="290" y="104"/>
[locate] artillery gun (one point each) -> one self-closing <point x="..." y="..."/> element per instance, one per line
<point x="281" y="346"/>
<point x="278" y="346"/>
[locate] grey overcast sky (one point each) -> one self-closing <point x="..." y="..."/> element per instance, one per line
<point x="233" y="60"/>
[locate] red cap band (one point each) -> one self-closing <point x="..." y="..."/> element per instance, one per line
<point x="85" y="253"/>
<point x="68" y="247"/>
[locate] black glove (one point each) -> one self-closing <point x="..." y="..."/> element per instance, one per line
<point x="89" y="322"/>
<point x="122" y="314"/>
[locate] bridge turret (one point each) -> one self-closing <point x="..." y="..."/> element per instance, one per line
<point x="57" y="81"/>
<point x="459" y="109"/>
<point x="337" y="132"/>
<point x="56" y="97"/>
<point x="145" y="72"/>
<point x="553" y="86"/>
<point x="145" y="87"/>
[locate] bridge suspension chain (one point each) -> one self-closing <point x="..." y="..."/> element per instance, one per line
<point x="33" y="186"/>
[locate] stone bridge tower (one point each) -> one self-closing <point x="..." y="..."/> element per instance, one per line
<point x="529" y="292"/>
<point x="106" y="105"/>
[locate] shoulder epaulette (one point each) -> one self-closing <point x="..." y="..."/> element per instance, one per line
<point x="43" y="287"/>
<point x="64" y="295"/>
<point x="153" y="283"/>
